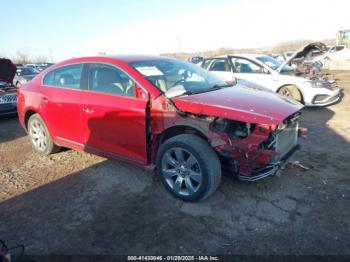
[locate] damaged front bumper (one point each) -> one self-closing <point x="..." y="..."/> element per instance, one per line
<point x="281" y="145"/>
<point x="270" y="169"/>
<point x="264" y="152"/>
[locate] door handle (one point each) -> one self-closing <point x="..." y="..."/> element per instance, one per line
<point x="88" y="110"/>
<point x="43" y="100"/>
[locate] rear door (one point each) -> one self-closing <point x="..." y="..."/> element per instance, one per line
<point x="60" y="98"/>
<point x="113" y="119"/>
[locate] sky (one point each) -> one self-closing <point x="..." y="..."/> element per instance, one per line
<point x="61" y="29"/>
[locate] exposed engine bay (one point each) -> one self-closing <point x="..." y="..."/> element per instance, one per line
<point x="255" y="151"/>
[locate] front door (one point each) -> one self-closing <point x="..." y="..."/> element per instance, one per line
<point x="246" y="69"/>
<point x="221" y="68"/>
<point x="113" y="119"/>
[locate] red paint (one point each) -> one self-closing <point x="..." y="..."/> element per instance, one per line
<point x="115" y="124"/>
<point x="240" y="103"/>
<point x="131" y="128"/>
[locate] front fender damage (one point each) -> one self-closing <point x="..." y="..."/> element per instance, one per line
<point x="243" y="148"/>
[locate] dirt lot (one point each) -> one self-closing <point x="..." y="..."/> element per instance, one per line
<point x="76" y="203"/>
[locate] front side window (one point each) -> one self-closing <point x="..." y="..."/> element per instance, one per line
<point x="67" y="76"/>
<point x="246" y="66"/>
<point x="111" y="80"/>
<point x="219" y="65"/>
<point x="206" y="63"/>
<point x="166" y="74"/>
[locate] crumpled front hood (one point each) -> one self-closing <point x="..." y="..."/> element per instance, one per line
<point x="303" y="52"/>
<point x="240" y="103"/>
<point x="7" y="70"/>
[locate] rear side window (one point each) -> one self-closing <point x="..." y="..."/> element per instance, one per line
<point x="111" y="80"/>
<point x="68" y="76"/>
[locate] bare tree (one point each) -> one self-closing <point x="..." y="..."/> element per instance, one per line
<point x="40" y="59"/>
<point x="22" y="57"/>
<point x="279" y="48"/>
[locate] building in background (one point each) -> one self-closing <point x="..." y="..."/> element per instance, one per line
<point x="343" y="37"/>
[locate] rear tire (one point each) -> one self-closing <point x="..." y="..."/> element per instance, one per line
<point x="40" y="136"/>
<point x="189" y="167"/>
<point x="291" y="92"/>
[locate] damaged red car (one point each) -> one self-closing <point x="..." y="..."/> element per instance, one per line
<point x="162" y="114"/>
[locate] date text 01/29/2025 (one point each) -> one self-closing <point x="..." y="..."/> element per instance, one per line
<point x="173" y="258"/>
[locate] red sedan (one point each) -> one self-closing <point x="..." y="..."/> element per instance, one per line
<point x="163" y="114"/>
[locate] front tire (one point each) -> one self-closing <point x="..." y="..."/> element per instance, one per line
<point x="291" y="92"/>
<point x="189" y="168"/>
<point x="40" y="136"/>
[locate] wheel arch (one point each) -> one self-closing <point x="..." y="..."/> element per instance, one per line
<point x="181" y="129"/>
<point x="299" y="90"/>
<point x="174" y="131"/>
<point x="27" y="115"/>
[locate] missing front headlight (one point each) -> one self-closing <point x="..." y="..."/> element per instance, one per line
<point x="235" y="129"/>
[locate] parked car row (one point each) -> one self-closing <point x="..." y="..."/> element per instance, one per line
<point x="13" y="76"/>
<point x="23" y="75"/>
<point x="38" y="67"/>
<point x="278" y="77"/>
<point x="27" y="72"/>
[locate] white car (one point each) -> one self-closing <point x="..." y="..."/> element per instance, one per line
<point x="266" y="71"/>
<point x="332" y="50"/>
<point x="342" y="54"/>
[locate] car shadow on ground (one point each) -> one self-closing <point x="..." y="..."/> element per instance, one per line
<point x="9" y="129"/>
<point x="116" y="208"/>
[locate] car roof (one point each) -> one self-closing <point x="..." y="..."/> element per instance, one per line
<point x="136" y="58"/>
<point x="251" y="56"/>
<point x="120" y="58"/>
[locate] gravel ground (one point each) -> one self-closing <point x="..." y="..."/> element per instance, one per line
<point x="76" y="203"/>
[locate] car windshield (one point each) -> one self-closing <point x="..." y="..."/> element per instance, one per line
<point x="273" y="63"/>
<point x="166" y="74"/>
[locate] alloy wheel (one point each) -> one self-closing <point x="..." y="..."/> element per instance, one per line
<point x="286" y="92"/>
<point x="181" y="171"/>
<point x="38" y="135"/>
